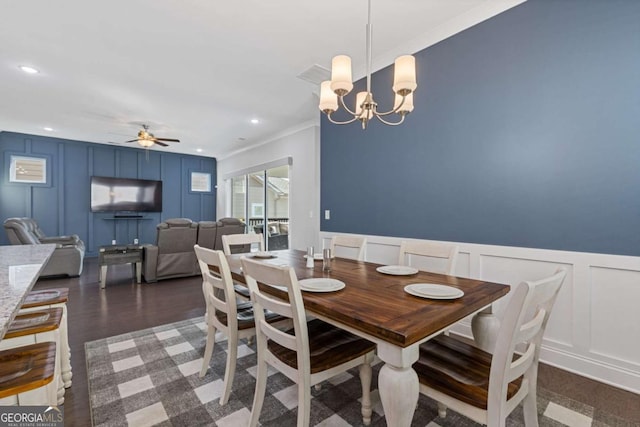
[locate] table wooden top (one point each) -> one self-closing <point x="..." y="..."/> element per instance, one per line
<point x="377" y="304"/>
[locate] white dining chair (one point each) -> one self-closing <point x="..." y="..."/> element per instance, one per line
<point x="236" y="321"/>
<point x="439" y="257"/>
<point x="485" y="387"/>
<point x="248" y="240"/>
<point x="346" y="246"/>
<point x="309" y="353"/>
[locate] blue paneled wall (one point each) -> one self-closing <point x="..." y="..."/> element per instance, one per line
<point x="526" y="132"/>
<point x="62" y="205"/>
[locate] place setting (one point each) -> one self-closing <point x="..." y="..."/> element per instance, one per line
<point x="397" y="270"/>
<point x="321" y="284"/>
<point x="264" y="255"/>
<point x="433" y="291"/>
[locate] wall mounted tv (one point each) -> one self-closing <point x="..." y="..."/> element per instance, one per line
<point x="125" y="195"/>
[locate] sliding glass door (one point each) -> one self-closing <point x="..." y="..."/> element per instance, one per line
<point x="260" y="198"/>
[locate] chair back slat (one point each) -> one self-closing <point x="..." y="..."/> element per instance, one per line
<point x="249" y="240"/>
<point x="428" y="250"/>
<point x="356" y="244"/>
<point x="530" y="329"/>
<point x="282" y="338"/>
<point x="521" y="364"/>
<point x="279" y="307"/>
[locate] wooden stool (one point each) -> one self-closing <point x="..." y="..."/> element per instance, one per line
<point x="37" y="327"/>
<point x="52" y="298"/>
<point x="27" y="375"/>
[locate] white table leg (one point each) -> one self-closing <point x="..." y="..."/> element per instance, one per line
<point x="398" y="383"/>
<point x="103" y="276"/>
<point x="484" y="327"/>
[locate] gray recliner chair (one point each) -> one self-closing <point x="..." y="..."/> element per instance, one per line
<point x="207" y="232"/>
<point x="173" y="255"/>
<point x="228" y="226"/>
<point x="68" y="256"/>
<point x="210" y="232"/>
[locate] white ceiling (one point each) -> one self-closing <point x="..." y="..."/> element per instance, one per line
<point x="197" y="70"/>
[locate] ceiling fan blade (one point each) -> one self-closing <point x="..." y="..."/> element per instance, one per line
<point x="161" y="143"/>
<point x="167" y="139"/>
<point x="133" y="140"/>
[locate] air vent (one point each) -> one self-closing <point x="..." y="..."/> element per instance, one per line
<point x="315" y="74"/>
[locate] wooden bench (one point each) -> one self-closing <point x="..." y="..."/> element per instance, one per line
<point x="27" y="375"/>
<point x="37" y="326"/>
<point x="52" y="298"/>
<point x="46" y="297"/>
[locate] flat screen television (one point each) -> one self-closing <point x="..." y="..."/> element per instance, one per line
<point x="125" y="195"/>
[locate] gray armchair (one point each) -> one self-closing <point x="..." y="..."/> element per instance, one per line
<point x="67" y="258"/>
<point x="172" y="255"/>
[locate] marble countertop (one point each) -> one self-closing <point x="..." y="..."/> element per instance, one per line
<point x="20" y="266"/>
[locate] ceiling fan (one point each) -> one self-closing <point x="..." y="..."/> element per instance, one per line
<point x="147" y="139"/>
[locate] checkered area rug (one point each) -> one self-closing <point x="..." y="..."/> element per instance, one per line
<point x="150" y="377"/>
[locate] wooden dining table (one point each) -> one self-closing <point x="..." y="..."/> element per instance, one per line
<point x="375" y="306"/>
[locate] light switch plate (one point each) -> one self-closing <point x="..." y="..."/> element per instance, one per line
<point x="327" y="214"/>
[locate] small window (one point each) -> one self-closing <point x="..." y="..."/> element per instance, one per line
<point x="201" y="182"/>
<point x="257" y="210"/>
<point x="28" y="169"/>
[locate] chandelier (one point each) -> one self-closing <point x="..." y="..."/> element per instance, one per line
<point x="332" y="92"/>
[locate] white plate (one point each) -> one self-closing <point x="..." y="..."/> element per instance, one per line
<point x="433" y="291"/>
<point x="321" y="285"/>
<point x="264" y="255"/>
<point x="397" y="270"/>
<point x="316" y="257"/>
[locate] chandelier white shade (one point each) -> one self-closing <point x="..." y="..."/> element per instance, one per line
<point x="332" y="92"/>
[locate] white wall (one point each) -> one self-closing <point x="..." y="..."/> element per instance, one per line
<point x="594" y="329"/>
<point x="303" y="147"/>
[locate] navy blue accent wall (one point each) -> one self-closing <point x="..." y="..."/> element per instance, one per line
<point x="526" y="132"/>
<point x="62" y="205"/>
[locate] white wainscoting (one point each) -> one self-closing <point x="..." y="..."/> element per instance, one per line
<point x="594" y="329"/>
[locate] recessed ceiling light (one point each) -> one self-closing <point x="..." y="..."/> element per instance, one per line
<point x="255" y="121"/>
<point x="199" y="150"/>
<point x="48" y="129"/>
<point x="29" y="70"/>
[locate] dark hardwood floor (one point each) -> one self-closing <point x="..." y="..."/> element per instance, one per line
<point x="125" y="306"/>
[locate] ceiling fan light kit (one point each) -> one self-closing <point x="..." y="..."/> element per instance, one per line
<point x="146" y="139"/>
<point x="332" y="92"/>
